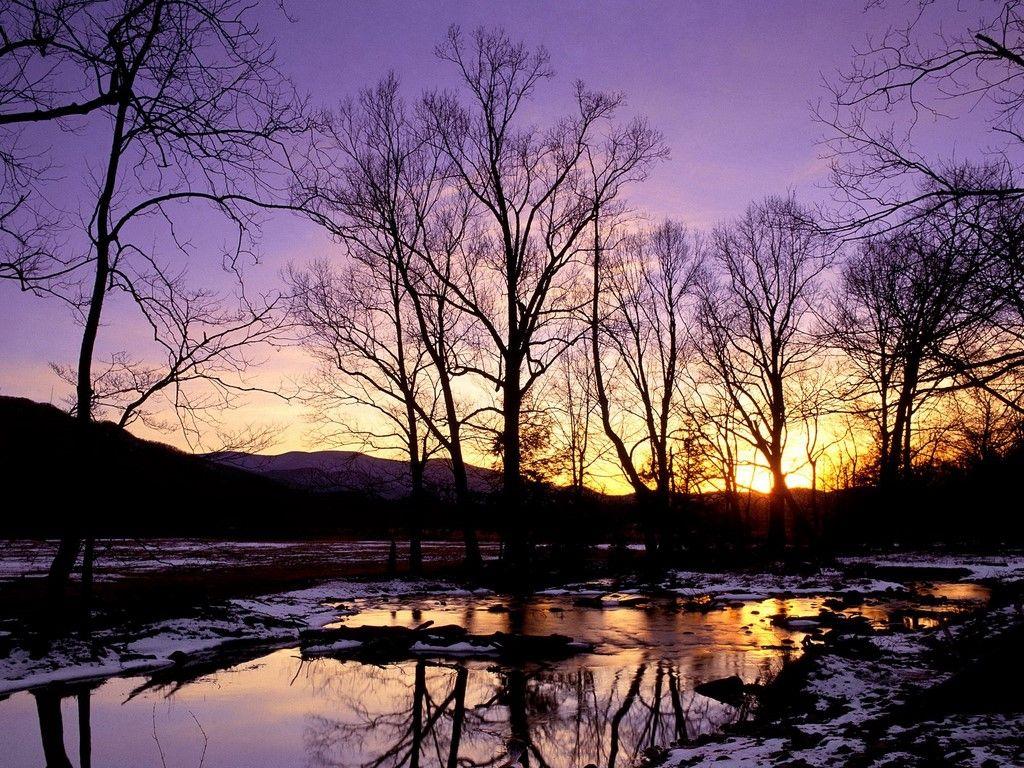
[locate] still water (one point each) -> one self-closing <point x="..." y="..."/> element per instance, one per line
<point x="634" y="691"/>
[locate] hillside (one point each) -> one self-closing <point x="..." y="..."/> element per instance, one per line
<point x="334" y="471"/>
<point x="97" y="471"/>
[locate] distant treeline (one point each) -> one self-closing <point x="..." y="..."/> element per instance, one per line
<point x="164" y="492"/>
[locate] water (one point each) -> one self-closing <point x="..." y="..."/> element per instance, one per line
<point x="124" y="558"/>
<point x="633" y="692"/>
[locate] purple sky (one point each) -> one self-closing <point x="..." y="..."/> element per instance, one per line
<point x="728" y="83"/>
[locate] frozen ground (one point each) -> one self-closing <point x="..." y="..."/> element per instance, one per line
<point x="121" y="558"/>
<point x="1006" y="568"/>
<point x="274" y="620"/>
<point x="851" y="696"/>
<point x="855" y="696"/>
<point x="853" y="719"/>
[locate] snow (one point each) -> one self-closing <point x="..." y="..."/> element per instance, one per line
<point x="750" y="586"/>
<point x="1002" y="568"/>
<point x="336" y="647"/>
<point x="274" y="619"/>
<point x="729" y="753"/>
<point x="849" y="693"/>
<point x="455" y="649"/>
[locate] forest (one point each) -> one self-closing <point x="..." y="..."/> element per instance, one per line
<point x="484" y="285"/>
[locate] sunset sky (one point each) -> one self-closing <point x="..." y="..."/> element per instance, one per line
<point x="728" y="83"/>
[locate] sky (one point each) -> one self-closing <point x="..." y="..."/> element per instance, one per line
<point x="729" y="84"/>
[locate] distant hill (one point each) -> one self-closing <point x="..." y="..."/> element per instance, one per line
<point x="351" y="471"/>
<point x="68" y="471"/>
<point x="65" y="472"/>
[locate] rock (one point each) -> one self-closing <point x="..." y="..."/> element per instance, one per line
<point x="728" y="690"/>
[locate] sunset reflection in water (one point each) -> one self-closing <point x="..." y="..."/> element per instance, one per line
<point x="632" y="693"/>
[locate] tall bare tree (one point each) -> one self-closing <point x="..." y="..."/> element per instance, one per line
<point x="358" y="324"/>
<point x="536" y="197"/>
<point x="756" y="336"/>
<point x="642" y="292"/>
<point x="910" y="302"/>
<point x="969" y="67"/>
<point x="375" y="182"/>
<point x="187" y="107"/>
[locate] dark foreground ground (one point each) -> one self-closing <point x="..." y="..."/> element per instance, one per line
<point x="935" y="682"/>
<point x="949" y="696"/>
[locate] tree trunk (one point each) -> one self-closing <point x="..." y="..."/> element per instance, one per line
<point x="463" y="505"/>
<point x="415" y="520"/>
<point x="87" y="566"/>
<point x="777" y="508"/>
<point x="516" y="554"/>
<point x="473" y="562"/>
<point x="51" y="729"/>
<point x="649" y="507"/>
<point x="392" y="558"/>
<point x="63" y="564"/>
<point x="71" y="542"/>
<point x="458" y="715"/>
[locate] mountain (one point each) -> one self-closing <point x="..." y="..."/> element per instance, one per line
<point x="351" y="471"/>
<point x="58" y="472"/>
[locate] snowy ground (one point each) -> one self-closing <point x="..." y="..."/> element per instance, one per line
<point x="274" y="620"/>
<point x="852" y="695"/>
<point x="121" y="558"/>
<point x="759" y="586"/>
<point x="1009" y="568"/>
<point x="850" y="722"/>
<point x="855" y="695"/>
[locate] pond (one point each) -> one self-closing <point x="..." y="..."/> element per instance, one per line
<point x="633" y="691"/>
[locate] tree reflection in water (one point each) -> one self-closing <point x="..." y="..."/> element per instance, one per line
<point x="635" y="692"/>
<point x="51" y="725"/>
<point x="478" y="716"/>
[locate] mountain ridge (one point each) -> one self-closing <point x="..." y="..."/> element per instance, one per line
<point x="332" y="470"/>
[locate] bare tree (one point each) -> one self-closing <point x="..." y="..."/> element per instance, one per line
<point x="755" y="326"/>
<point x="359" y="326"/>
<point x="575" y="402"/>
<point x="639" y="335"/>
<point x="984" y="428"/>
<point x="208" y="349"/>
<point x="192" y="110"/>
<point x="965" y="69"/>
<point x="910" y="302"/>
<point x="821" y="396"/>
<point x="937" y="69"/>
<point x="708" y="406"/>
<point x="375" y="182"/>
<point x="535" y="203"/>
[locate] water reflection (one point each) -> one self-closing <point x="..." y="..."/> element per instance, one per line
<point x="51" y="725"/>
<point x="427" y="713"/>
<point x="282" y="710"/>
<point x="634" y="692"/>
